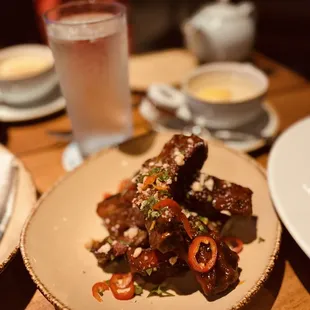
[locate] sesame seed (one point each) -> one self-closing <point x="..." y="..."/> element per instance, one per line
<point x="179" y="159"/>
<point x="209" y="184"/>
<point x="131" y="232"/>
<point x="104" y="249"/>
<point x="196" y="187"/>
<point x="137" y="252"/>
<point x="173" y="260"/>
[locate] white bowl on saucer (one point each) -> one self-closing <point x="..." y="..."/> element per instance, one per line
<point x="21" y="90"/>
<point x="226" y="114"/>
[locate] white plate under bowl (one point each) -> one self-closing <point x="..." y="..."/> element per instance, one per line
<point x="53" y="241"/>
<point x="266" y="124"/>
<point x="24" y="200"/>
<point x="289" y="181"/>
<point x="52" y="103"/>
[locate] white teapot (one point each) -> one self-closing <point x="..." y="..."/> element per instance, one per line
<point x="221" y="31"/>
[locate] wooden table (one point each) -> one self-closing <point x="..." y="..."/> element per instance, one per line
<point x="289" y="285"/>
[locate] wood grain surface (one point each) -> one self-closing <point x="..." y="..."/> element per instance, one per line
<point x="288" y="287"/>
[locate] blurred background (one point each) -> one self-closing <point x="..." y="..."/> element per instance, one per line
<point x="282" y="26"/>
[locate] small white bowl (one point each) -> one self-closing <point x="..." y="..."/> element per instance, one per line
<point x="21" y="91"/>
<point x="226" y="115"/>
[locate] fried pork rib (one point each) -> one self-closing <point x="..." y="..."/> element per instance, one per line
<point x="162" y="177"/>
<point x="117" y="212"/>
<point x="154" y="240"/>
<point x="209" y="194"/>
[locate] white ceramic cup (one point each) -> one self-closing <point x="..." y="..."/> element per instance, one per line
<point x="25" y="90"/>
<point x="225" y="115"/>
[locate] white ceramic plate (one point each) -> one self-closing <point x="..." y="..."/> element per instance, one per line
<point x="53" y="241"/>
<point x="51" y="104"/>
<point x="266" y="124"/>
<point x="289" y="181"/>
<point x="25" y="197"/>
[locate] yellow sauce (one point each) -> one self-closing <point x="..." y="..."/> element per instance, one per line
<point x="22" y="67"/>
<point x="214" y="94"/>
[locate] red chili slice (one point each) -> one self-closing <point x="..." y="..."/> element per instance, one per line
<point x="124" y="184"/>
<point x="121" y="280"/>
<point x="149" y="180"/>
<point x="123" y="293"/>
<point x="122" y="286"/>
<point x="194" y="249"/>
<point x="98" y="288"/>
<point x="235" y="244"/>
<point x="175" y="207"/>
<point x="169" y="203"/>
<point x="186" y="225"/>
<point x="106" y="195"/>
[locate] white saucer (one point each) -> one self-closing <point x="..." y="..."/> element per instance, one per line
<point x="267" y="124"/>
<point x="52" y="103"/>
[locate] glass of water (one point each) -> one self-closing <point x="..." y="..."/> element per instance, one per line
<point x="89" y="44"/>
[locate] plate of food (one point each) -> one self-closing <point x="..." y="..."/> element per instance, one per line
<point x="191" y="225"/>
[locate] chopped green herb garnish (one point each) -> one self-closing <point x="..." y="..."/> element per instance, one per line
<point x="209" y="198"/>
<point x="138" y="290"/>
<point x="149" y="271"/>
<point x="159" y="291"/>
<point x="165" y="193"/>
<point x="188" y="195"/>
<point x="124" y="242"/>
<point x="109" y="240"/>
<point x="151" y="201"/>
<point x="260" y="239"/>
<point x="164" y="177"/>
<point x="139" y="178"/>
<point x="107" y="282"/>
<point x="203" y="219"/>
<point x="155" y="214"/>
<point x="112" y="257"/>
<point x="154" y="171"/>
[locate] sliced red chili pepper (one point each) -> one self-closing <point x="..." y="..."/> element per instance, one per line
<point x="186" y="225"/>
<point x="106" y="195"/>
<point x="194" y="249"/>
<point x="175" y="207"/>
<point x="149" y="180"/>
<point x="169" y="203"/>
<point x="235" y="244"/>
<point x="123" y="293"/>
<point x="121" y="280"/>
<point x="124" y="184"/>
<point x="98" y="289"/>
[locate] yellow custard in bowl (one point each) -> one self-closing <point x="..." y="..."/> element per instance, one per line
<point x="17" y="67"/>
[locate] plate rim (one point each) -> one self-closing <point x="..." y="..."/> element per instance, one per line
<point x="57" y="303"/>
<point x="260" y="143"/>
<point x="275" y="197"/>
<point x="5" y="262"/>
<point x="55" y="106"/>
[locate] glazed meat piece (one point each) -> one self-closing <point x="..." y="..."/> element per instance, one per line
<point x="209" y="194"/>
<point x="110" y="248"/>
<point x="163" y="177"/>
<point x="224" y="273"/>
<point x="154" y="265"/>
<point x="117" y="212"/>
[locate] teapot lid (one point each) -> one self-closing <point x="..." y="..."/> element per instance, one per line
<point x="225" y="9"/>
